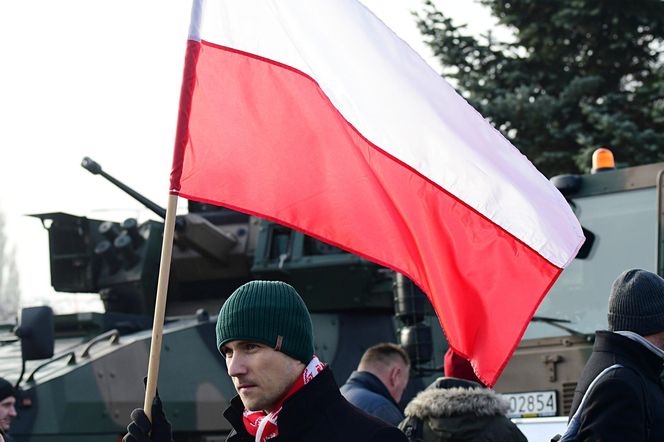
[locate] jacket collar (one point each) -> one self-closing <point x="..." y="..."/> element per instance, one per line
<point x="298" y="410"/>
<point x="233" y="415"/>
<point x="643" y="341"/>
<point x="369" y="381"/>
<point x="634" y="352"/>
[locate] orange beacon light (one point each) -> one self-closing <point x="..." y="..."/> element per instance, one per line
<point x="602" y="160"/>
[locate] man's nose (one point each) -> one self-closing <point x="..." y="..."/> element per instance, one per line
<point x="12" y="411"/>
<point x="235" y="365"/>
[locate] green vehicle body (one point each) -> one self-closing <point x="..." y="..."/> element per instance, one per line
<point x="87" y="389"/>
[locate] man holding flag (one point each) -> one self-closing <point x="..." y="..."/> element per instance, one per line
<point x="264" y="333"/>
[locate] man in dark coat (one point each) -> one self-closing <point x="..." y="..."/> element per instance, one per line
<point x="379" y="382"/>
<point x="285" y="393"/>
<point x="453" y="409"/>
<point x="7" y="407"/>
<point x="627" y="403"/>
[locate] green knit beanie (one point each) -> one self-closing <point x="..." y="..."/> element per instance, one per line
<point x="269" y="312"/>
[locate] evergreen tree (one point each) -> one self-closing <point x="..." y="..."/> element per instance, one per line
<point x="580" y="74"/>
<point x="9" y="283"/>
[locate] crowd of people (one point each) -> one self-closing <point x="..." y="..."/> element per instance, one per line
<point x="285" y="393"/>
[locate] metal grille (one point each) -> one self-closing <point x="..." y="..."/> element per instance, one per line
<point x="568" y="396"/>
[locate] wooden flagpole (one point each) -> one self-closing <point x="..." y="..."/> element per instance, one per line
<point x="160" y="304"/>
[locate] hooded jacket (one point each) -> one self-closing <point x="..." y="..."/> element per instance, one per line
<point x="318" y="412"/>
<point x="458" y="410"/>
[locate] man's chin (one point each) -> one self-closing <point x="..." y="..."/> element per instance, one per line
<point x="251" y="404"/>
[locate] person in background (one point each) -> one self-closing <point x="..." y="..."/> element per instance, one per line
<point x="456" y="366"/>
<point x="7" y="408"/>
<point x="285" y="393"/>
<point x="452" y="409"/>
<point x="627" y="403"/>
<point x="379" y="382"/>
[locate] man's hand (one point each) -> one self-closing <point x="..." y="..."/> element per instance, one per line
<point x="140" y="427"/>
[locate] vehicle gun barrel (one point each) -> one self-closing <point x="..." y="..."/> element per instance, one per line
<point x="192" y="230"/>
<point x="95" y="168"/>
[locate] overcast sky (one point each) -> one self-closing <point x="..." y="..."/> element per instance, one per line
<point x="101" y="78"/>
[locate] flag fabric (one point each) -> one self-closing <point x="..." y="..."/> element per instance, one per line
<point x="314" y="114"/>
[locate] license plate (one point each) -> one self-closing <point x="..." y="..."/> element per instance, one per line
<point x="532" y="404"/>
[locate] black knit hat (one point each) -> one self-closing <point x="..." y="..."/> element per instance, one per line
<point x="6" y="389"/>
<point x="269" y="312"/>
<point x="636" y="303"/>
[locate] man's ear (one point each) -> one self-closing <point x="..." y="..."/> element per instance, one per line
<point x="395" y="371"/>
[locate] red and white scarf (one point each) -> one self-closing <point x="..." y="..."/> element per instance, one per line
<point x="264" y="425"/>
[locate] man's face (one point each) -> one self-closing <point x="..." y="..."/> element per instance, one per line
<point x="261" y="375"/>
<point x="7" y="412"/>
<point x="657" y="340"/>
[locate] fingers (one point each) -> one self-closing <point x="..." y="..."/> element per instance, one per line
<point x="134" y="434"/>
<point x="156" y="403"/>
<point x="140" y="423"/>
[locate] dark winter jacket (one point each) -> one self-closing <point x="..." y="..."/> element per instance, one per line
<point x="368" y="393"/>
<point x="627" y="404"/>
<point x="457" y="410"/>
<point x="318" y="413"/>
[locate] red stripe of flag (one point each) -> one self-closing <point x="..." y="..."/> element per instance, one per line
<point x="263" y="138"/>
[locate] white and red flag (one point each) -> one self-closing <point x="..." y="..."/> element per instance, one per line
<point x="314" y="114"/>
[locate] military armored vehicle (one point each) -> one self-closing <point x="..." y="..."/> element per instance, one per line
<point x="81" y="374"/>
